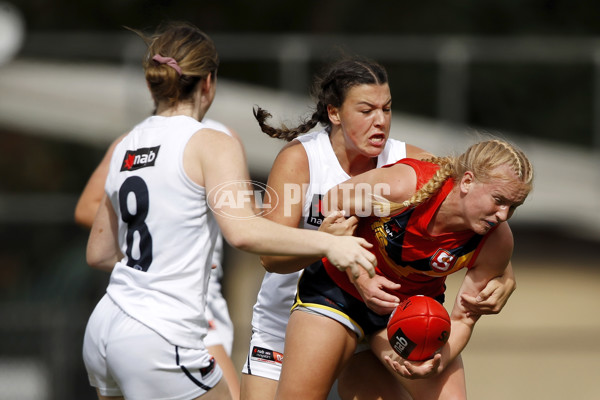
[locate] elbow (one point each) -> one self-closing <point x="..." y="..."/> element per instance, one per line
<point x="268" y="265"/>
<point x="91" y="256"/>
<point x="94" y="262"/>
<point x="83" y="218"/>
<point x="77" y="215"/>
<point x="79" y="220"/>
<point x="100" y="261"/>
<point x="241" y="241"/>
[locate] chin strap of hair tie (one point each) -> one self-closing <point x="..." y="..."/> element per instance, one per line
<point x="169" y="61"/>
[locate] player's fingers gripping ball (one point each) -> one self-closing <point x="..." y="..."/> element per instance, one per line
<point x="418" y="327"/>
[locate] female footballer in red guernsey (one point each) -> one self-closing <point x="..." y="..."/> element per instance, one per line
<point x="438" y="216"/>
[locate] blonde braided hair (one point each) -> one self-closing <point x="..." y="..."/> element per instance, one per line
<point x="482" y="158"/>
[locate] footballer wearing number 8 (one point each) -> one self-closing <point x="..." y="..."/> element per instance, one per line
<point x="154" y="231"/>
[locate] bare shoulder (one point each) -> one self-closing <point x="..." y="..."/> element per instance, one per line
<point x="290" y="166"/>
<point x="117" y="141"/>
<point x="234" y="134"/>
<point x="396" y="174"/>
<point x="401" y="178"/>
<point x="205" y="138"/>
<point x="209" y="150"/>
<point x="292" y="152"/>
<point x="396" y="182"/>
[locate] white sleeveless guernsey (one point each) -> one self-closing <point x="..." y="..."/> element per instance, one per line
<point x="276" y="296"/>
<point x="170" y="233"/>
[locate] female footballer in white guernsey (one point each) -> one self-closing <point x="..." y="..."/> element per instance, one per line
<point x="155" y="232"/>
<point x="354" y="107"/>
<point x="219" y="338"/>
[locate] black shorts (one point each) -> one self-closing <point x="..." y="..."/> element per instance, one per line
<point x="318" y="293"/>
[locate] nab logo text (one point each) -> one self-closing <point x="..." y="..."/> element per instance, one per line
<point x="140" y="158"/>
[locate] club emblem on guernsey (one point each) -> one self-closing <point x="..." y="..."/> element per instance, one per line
<point x="442" y="260"/>
<point x="140" y="158"/>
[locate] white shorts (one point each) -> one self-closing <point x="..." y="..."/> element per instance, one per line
<point x="220" y="331"/>
<point x="123" y="357"/>
<point x="265" y="356"/>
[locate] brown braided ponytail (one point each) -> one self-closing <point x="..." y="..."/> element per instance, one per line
<point x="329" y="89"/>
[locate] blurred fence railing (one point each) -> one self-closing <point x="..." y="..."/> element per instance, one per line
<point x="50" y="335"/>
<point x="293" y="53"/>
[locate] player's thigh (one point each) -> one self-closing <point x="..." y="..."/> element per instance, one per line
<point x="317" y="346"/>
<point x="364" y="377"/>
<point x="254" y="387"/>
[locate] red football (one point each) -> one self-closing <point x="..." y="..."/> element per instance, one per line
<point x="418" y="327"/>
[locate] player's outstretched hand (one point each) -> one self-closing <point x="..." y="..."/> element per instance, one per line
<point x="415" y="369"/>
<point x="351" y="252"/>
<point x="375" y="293"/>
<point x="336" y="224"/>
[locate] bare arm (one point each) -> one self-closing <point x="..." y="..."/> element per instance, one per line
<point x="491" y="262"/>
<point x="288" y="179"/>
<point x="495" y="295"/>
<point x="90" y="198"/>
<point x="103" y="250"/>
<point x="239" y="224"/>
<point x="355" y="196"/>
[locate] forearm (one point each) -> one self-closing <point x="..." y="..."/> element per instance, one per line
<point x="102" y="252"/>
<point x="460" y="334"/>
<point x="103" y="249"/>
<point x="508" y="278"/>
<point x="267" y="238"/>
<point x="91" y="196"/>
<point x="335" y="224"/>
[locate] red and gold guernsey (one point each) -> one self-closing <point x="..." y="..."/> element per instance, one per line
<point x="406" y="253"/>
